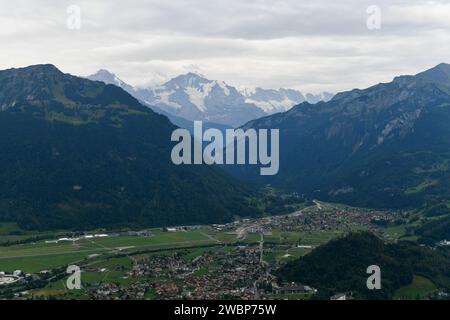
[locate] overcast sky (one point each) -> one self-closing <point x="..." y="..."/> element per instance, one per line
<point x="309" y="45"/>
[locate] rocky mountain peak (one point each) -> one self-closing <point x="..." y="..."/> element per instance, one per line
<point x="440" y="73"/>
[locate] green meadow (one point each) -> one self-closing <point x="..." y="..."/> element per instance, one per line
<point x="419" y="288"/>
<point x="35" y="257"/>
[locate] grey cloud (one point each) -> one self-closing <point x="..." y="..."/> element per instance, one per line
<point x="310" y="45"/>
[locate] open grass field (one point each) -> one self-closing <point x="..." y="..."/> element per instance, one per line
<point x="35" y="257"/>
<point x="314" y="238"/>
<point x="418" y="289"/>
<point x="41" y="262"/>
<point x="108" y="260"/>
<point x="10" y="232"/>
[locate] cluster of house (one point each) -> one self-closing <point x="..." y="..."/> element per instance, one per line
<point x="16" y="277"/>
<point x="314" y="219"/>
<point x="293" y="288"/>
<point x="212" y="275"/>
<point x="233" y="274"/>
<point x="112" y="291"/>
<point x="230" y="274"/>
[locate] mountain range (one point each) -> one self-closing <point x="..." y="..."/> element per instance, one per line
<point x="385" y="146"/>
<point x="273" y="101"/>
<point x="193" y="97"/>
<point x="80" y="154"/>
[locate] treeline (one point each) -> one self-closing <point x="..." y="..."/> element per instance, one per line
<point x="275" y="202"/>
<point x="60" y="176"/>
<point x="434" y="231"/>
<point x="437" y="210"/>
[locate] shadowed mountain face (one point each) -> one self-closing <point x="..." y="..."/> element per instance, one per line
<point x="385" y="146"/>
<point x="81" y="154"/>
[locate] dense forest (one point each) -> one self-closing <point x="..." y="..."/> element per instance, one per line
<point x="79" y="154"/>
<point x="434" y="231"/>
<point x="340" y="266"/>
<point x="386" y="146"/>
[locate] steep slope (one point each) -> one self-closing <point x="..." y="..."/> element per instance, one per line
<point x="385" y="146"/>
<point x="81" y="154"/>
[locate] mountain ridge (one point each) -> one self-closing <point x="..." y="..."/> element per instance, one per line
<point x="194" y="97"/>
<point x="379" y="146"/>
<point x="79" y="154"/>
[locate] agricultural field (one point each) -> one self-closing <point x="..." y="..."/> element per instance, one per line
<point x="420" y="288"/>
<point x="38" y="256"/>
<point x="108" y="260"/>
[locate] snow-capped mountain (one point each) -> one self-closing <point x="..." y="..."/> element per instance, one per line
<point x="314" y="98"/>
<point x="272" y="101"/>
<point x="110" y="78"/>
<point x="193" y="97"/>
<point x="281" y="100"/>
